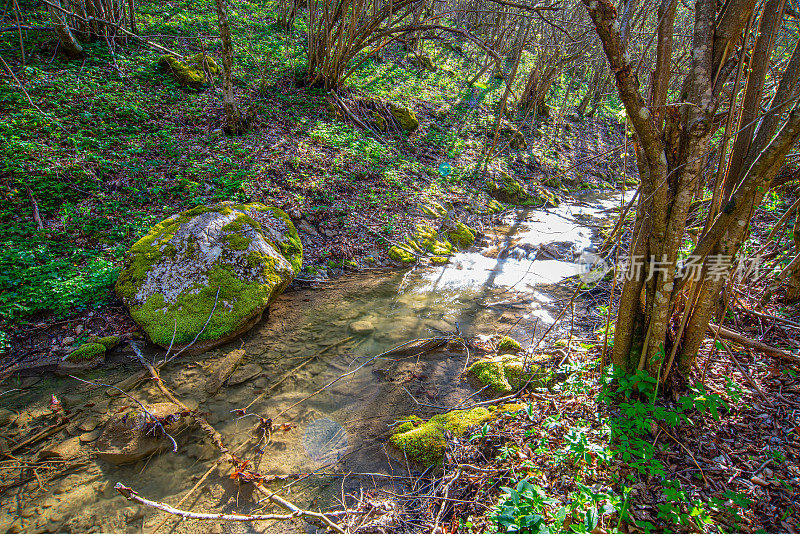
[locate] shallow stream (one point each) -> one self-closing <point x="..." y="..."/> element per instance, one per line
<point x="311" y="337"/>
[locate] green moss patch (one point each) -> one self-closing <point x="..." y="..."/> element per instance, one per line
<point x="507" y="344"/>
<point x="86" y="353"/>
<point x="406" y="118"/>
<point x="239" y="256"/>
<point x="109" y="342"/>
<point x="401" y="254"/>
<point x="462" y="235"/>
<point x="511" y="191"/>
<point x="505" y="373"/>
<point x="423" y="442"/>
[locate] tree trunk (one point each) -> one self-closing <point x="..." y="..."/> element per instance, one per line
<point x="234" y="124"/>
<point x="664" y="309"/>
<point x="71" y="46"/>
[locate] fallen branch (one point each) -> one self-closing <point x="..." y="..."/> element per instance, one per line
<point x="736" y="337"/>
<point x="132" y="495"/>
<point x="315" y="518"/>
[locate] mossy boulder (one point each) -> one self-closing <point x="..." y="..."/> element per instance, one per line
<point x="507" y="189"/>
<point x="423" y="442"/>
<point x="506" y="373"/>
<point x="193" y="72"/>
<point x="493" y="206"/>
<point x="240" y="256"/>
<point x="434" y="210"/>
<point x="87" y="352"/>
<point x="406" y="118"/>
<point x="508" y="345"/>
<point x="462" y="235"/>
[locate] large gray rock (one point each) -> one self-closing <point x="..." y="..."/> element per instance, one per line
<point x="247" y="252"/>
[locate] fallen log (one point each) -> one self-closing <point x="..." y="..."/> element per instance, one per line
<point x="736" y="337"/>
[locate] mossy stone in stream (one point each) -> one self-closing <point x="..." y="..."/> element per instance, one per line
<point x="509" y="190"/>
<point x="240" y="256"/>
<point x="401" y="254"/>
<point x="428" y="240"/>
<point x="86" y="353"/>
<point x="506" y="373"/>
<point x="462" y="235"/>
<point x="508" y="345"/>
<point x="423" y="442"/>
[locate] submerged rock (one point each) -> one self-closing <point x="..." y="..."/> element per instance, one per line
<point x="240" y="256"/>
<point x="132" y="436"/>
<point x="506" y="373"/>
<point x="245" y="373"/>
<point x="223" y="370"/>
<point x="362" y="327"/>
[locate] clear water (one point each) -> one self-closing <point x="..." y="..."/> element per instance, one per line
<point x="490" y="289"/>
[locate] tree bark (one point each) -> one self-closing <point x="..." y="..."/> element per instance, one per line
<point x="71" y="46"/>
<point x="234" y="124"/>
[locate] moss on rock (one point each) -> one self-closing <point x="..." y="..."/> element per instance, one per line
<point x="507" y="344"/>
<point x="401" y="254"/>
<point x="462" y="236"/>
<point x="86" y="353"/>
<point x="509" y="190"/>
<point x="109" y="342"/>
<point x="423" y="442"/>
<point x="514" y="136"/>
<point x="185" y="74"/>
<point x="506" y="374"/>
<point x="238" y="255"/>
<point x="407" y="118"/>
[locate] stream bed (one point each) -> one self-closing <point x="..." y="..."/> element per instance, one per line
<point x="509" y="281"/>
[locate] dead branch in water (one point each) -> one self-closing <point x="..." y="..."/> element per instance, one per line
<point x="132" y="495"/>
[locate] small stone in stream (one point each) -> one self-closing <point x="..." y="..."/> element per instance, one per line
<point x="244" y="373"/>
<point x="63" y="450"/>
<point x="90" y="436"/>
<point x="362" y="327"/>
<point x="89" y="424"/>
<point x="68" y="340"/>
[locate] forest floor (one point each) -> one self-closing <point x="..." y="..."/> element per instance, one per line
<point x="113" y="145"/>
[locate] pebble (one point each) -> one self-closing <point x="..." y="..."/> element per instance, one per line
<point x="89" y="424"/>
<point x="90" y="436"/>
<point x="79" y="329"/>
<point x="69" y="340"/>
